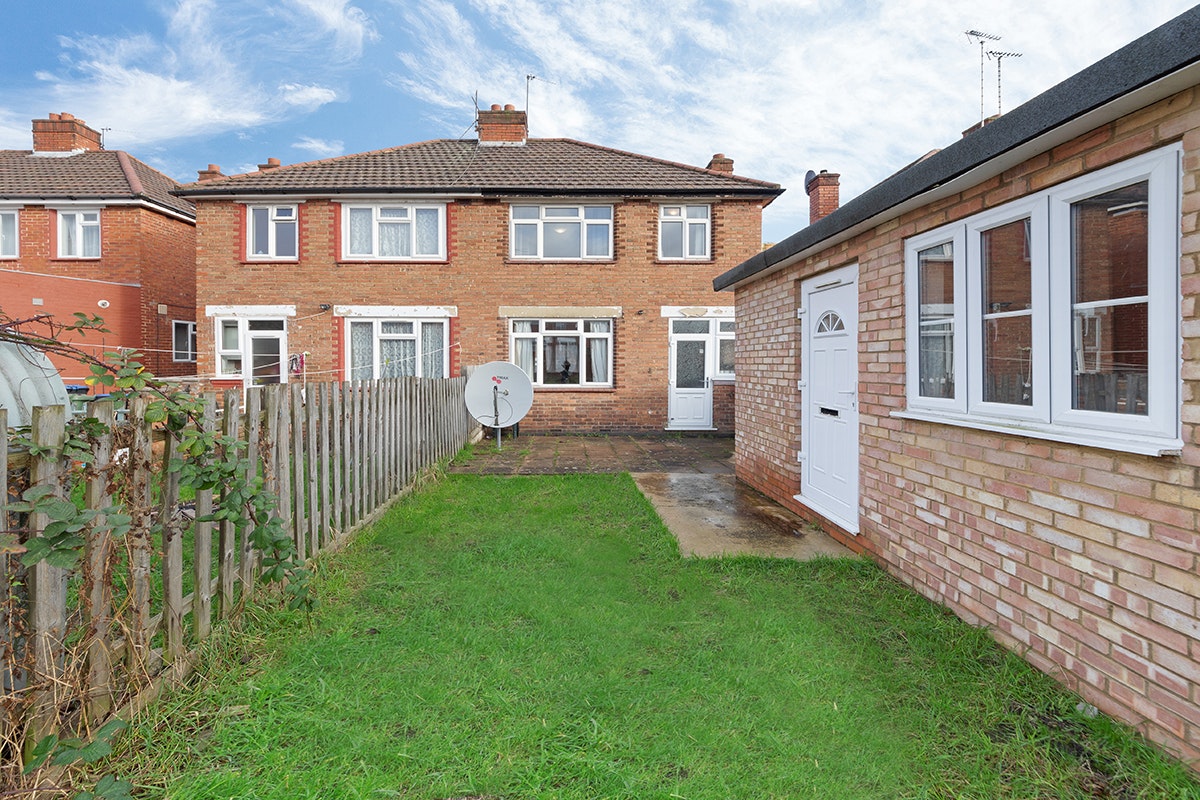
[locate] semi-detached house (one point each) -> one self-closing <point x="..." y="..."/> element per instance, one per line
<point x="589" y="267"/>
<point x="985" y="371"/>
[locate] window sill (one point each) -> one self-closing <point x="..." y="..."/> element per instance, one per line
<point x="268" y="261"/>
<point x="76" y="258"/>
<point x="391" y="262"/>
<point x="572" y="388"/>
<point x="554" y="262"/>
<point x="678" y="261"/>
<point x="1105" y="440"/>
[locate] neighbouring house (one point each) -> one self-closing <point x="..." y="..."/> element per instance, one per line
<point x="985" y="372"/>
<point x="589" y="267"/>
<point x="95" y="231"/>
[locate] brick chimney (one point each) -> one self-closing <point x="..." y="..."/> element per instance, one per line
<point x="63" y="133"/>
<point x="272" y="163"/>
<point x="502" y="126"/>
<point x="211" y="174"/>
<point x="822" y="188"/>
<point x="719" y="163"/>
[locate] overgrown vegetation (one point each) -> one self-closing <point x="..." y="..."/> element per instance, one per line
<point x="202" y="459"/>
<point x="541" y="638"/>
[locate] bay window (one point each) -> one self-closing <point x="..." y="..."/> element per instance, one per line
<point x="563" y="352"/>
<point x="1060" y="310"/>
<point x="561" y="232"/>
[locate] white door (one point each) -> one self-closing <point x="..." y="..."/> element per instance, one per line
<point x="267" y="356"/>
<point x="829" y="396"/>
<point x="689" y="400"/>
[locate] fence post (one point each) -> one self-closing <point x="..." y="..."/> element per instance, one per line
<point x="47" y="584"/>
<point x="7" y="650"/>
<point x="327" y="503"/>
<point x="172" y="545"/>
<point x="311" y="402"/>
<point x="97" y="551"/>
<point x="137" y="650"/>
<point x="227" y="533"/>
<point x="249" y="557"/>
<point x="202" y="534"/>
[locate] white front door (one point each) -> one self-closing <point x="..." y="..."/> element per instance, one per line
<point x="689" y="401"/>
<point x="829" y="396"/>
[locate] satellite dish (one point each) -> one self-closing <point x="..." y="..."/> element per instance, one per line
<point x="499" y="394"/>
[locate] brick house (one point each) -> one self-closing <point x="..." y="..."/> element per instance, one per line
<point x="589" y="267"/>
<point x="83" y="229"/>
<point x="984" y="372"/>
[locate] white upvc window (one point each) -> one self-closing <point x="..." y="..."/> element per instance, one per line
<point x="725" y="349"/>
<point x="1056" y="315"/>
<point x="394" y="348"/>
<point x="394" y="231"/>
<point x="9" y="244"/>
<point x="79" y="233"/>
<point x="183" y="340"/>
<point x="684" y="232"/>
<point x="272" y="232"/>
<point x="561" y="232"/>
<point x="563" y="352"/>
<point x="252" y="350"/>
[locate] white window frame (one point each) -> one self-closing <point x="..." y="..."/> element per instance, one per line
<point x="377" y="335"/>
<point x="189" y="327"/>
<point x="686" y="222"/>
<point x="1052" y="416"/>
<point x="243" y="350"/>
<point x="377" y="210"/>
<point x="550" y="213"/>
<point x="10" y="247"/>
<point x="73" y="222"/>
<point x="278" y="215"/>
<point x="580" y="332"/>
<point x="722" y="336"/>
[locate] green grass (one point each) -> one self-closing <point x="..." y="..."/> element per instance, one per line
<point x="541" y="638"/>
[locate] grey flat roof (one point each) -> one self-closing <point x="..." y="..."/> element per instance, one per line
<point x="1164" y="51"/>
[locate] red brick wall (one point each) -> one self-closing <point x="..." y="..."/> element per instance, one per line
<point x="62" y="297"/>
<point x="478" y="278"/>
<point x="1084" y="560"/>
<point x="137" y="247"/>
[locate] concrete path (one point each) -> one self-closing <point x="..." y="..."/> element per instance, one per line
<point x="688" y="479"/>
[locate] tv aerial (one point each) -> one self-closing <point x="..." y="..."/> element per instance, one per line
<point x="499" y="394"/>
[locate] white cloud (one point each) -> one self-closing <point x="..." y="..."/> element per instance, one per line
<point x="306" y="97"/>
<point x="349" y="24"/>
<point x="320" y="148"/>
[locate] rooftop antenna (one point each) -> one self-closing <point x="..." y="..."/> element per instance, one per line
<point x="1000" y="56"/>
<point x="981" y="37"/>
<point x="529" y="78"/>
<point x="103" y="133"/>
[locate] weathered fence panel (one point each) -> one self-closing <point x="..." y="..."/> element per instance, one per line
<point x="331" y="455"/>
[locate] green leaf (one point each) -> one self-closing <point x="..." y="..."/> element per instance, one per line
<point x="41" y="752"/>
<point x="35" y="550"/>
<point x="63" y="559"/>
<point x="35" y="493"/>
<point x="60" y="510"/>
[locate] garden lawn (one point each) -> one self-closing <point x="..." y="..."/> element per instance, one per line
<point x="540" y="637"/>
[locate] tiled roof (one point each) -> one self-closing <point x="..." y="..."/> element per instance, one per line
<point x="90" y="175"/>
<point x="539" y="167"/>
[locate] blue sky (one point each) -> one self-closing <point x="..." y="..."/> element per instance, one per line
<point x="781" y="86"/>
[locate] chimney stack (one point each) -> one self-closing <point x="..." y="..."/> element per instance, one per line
<point x="63" y="133"/>
<point x="211" y="174"/>
<point x="719" y="163"/>
<point x="272" y="163"/>
<point x="502" y="126"/>
<point x="822" y="189"/>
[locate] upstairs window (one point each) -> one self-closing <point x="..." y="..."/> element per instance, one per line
<point x="272" y="232"/>
<point x="683" y="232"/>
<point x="394" y="232"/>
<point x="8" y="235"/>
<point x="78" y="234"/>
<point x="561" y="232"/>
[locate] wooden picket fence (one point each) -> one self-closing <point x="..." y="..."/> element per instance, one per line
<point x="78" y="646"/>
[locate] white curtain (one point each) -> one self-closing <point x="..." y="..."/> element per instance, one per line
<point x="597" y="354"/>
<point x="525" y="349"/>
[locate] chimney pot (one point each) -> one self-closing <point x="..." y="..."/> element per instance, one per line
<point x="495" y="106"/>
<point x="272" y="163"/>
<point x="211" y="174"/>
<point x="509" y="107"/>
<point x="822" y="189"/>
